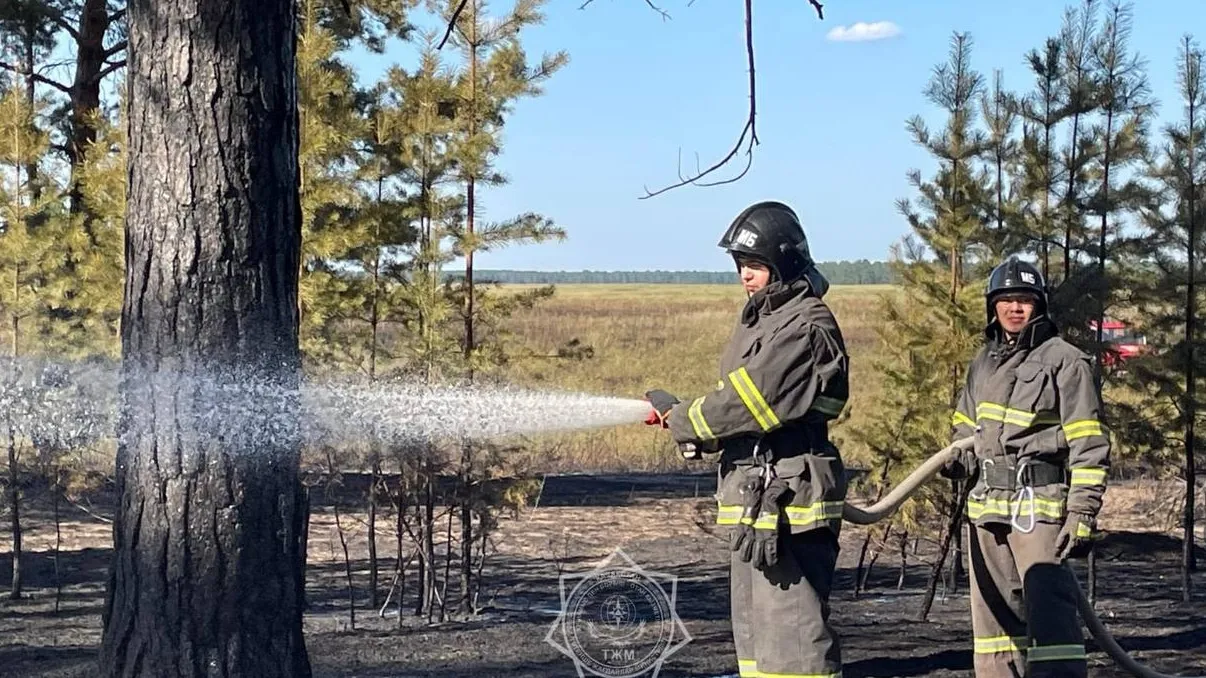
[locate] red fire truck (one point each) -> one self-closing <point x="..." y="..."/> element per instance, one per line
<point x="1122" y="342"/>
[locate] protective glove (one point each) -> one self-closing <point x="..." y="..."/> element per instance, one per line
<point x="741" y="539"/>
<point x="696" y="450"/>
<point x="962" y="463"/>
<point x="662" y="403"/>
<point x="766" y="534"/>
<point x="1075" y="536"/>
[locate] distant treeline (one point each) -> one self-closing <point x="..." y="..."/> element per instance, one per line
<point x="860" y="272"/>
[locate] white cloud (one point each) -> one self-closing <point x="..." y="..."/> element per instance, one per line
<point x="863" y="32"/>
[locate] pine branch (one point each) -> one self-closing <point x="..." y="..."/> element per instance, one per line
<point x="108" y="70"/>
<point x="118" y="47"/>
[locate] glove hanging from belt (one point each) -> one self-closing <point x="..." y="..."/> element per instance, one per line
<point x="741" y="539"/>
<point x="766" y="528"/>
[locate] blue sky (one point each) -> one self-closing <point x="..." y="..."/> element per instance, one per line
<point x="831" y="118"/>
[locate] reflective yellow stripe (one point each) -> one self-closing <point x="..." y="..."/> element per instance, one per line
<point x="1009" y="415"/>
<point x="1082" y="428"/>
<point x="1089" y="475"/>
<point x="800" y="516"/>
<point x="1084" y="531"/>
<point x="695" y="414"/>
<point x="748" y="668"/>
<point x="753" y="399"/>
<point x="960" y="418"/>
<point x="1050" y="508"/>
<point x="730" y="515"/>
<point x="996" y="644"/>
<point x="1056" y="653"/>
<point x="826" y="405"/>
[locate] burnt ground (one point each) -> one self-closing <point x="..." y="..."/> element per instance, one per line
<point x="662" y="524"/>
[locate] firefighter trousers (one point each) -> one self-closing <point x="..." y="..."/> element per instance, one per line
<point x="781" y="615"/>
<point x="1024" y="617"/>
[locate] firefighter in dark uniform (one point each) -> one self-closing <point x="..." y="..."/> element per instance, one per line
<point x="1039" y="466"/>
<point x="784" y="376"/>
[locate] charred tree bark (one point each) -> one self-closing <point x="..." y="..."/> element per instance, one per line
<point x="205" y="577"/>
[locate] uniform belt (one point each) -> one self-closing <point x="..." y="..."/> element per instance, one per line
<point x="1010" y="474"/>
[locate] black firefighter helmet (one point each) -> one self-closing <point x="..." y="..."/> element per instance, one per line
<point x="1015" y="275"/>
<point x="770" y="232"/>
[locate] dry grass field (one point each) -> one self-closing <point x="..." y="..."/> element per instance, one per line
<point x="659" y="336"/>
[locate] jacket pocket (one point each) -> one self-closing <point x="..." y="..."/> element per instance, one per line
<point x="817" y="491"/>
<point x="1034" y="391"/>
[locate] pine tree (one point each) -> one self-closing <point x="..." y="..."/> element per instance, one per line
<point x="29" y="234"/>
<point x="1174" y="224"/>
<point x="330" y="125"/>
<point x="1042" y="111"/>
<point x="942" y="314"/>
<point x="494" y="75"/>
<point x="1116" y="191"/>
<point x="27" y="244"/>
<point x="1002" y="160"/>
<point x="1077" y="37"/>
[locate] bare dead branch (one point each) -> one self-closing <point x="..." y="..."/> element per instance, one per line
<point x="456" y="14"/>
<point x="61" y="20"/>
<point x="37" y="77"/>
<point x="659" y="10"/>
<point x="749" y="133"/>
<point x="117" y="16"/>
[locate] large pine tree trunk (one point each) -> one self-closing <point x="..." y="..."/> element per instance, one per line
<point x="205" y="578"/>
<point x="90" y="70"/>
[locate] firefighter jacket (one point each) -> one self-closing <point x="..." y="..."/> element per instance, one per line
<point x="784" y="377"/>
<point x="1041" y="449"/>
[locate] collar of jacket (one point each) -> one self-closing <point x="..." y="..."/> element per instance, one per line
<point x="770" y="298"/>
<point x="1037" y="331"/>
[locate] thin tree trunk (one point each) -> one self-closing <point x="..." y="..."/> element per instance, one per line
<point x="447" y="565"/>
<point x="347" y="566"/>
<point x="883" y="543"/>
<point x="904" y="560"/>
<point x="58" y="544"/>
<point x="959" y="497"/>
<point x="1188" y="560"/>
<point x="14" y="506"/>
<point x="372" y="529"/>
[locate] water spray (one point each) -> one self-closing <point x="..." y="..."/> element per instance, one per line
<point x="67" y="401"/>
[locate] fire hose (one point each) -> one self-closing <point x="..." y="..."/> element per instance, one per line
<point x="866" y="515"/>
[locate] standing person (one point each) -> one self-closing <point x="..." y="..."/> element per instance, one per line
<point x="782" y="485"/>
<point x="1039" y="464"/>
